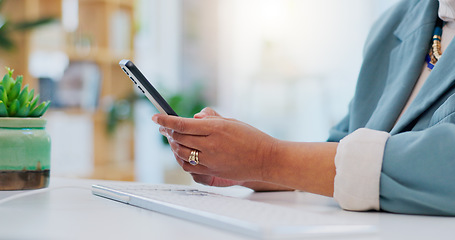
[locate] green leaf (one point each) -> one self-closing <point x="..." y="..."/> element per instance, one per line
<point x="34" y="102"/>
<point x="23" y="110"/>
<point x="48" y="103"/>
<point x="3" y="95"/>
<point x="5" y="37"/>
<point x="19" y="78"/>
<point x="23" y="96"/>
<point x="15" y="90"/>
<point x="7" y="82"/>
<point x="31" y="95"/>
<point x="27" y="25"/>
<point x="10" y="72"/>
<point x="3" y="111"/>
<point x="38" y="110"/>
<point x="12" y="110"/>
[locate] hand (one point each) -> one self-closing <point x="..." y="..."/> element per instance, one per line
<point x="234" y="153"/>
<point x="207" y="179"/>
<point x="228" y="149"/>
<point x="222" y="182"/>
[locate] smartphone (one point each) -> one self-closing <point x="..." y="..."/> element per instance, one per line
<point x="146" y="87"/>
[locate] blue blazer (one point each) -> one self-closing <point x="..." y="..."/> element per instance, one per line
<point x="418" y="171"/>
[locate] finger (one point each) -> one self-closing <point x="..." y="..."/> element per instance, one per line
<point x="183" y="162"/>
<point x="183" y="125"/>
<point x="179" y="160"/>
<point x="214" y="181"/>
<point x="190" y="141"/>
<point x="164" y="131"/>
<point x="197" y="169"/>
<point x="192" y="169"/>
<point x="202" y="179"/>
<point x="222" y="182"/>
<point x="206" y="112"/>
<point x="183" y="153"/>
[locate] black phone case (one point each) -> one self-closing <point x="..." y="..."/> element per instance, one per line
<point x="146" y="84"/>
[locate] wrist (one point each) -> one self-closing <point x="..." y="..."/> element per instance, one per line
<point x="269" y="159"/>
<point x="304" y="166"/>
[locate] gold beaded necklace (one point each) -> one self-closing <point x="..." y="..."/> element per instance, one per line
<point x="435" y="49"/>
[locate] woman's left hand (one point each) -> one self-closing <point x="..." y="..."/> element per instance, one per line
<point x="228" y="149"/>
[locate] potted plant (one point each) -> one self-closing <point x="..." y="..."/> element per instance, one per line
<point x="24" y="143"/>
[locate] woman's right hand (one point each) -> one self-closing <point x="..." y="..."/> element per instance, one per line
<point x="222" y="182"/>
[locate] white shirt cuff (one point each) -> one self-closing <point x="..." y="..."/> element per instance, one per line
<point x="358" y="163"/>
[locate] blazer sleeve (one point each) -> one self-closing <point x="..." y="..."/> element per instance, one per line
<point x="418" y="172"/>
<point x="339" y="131"/>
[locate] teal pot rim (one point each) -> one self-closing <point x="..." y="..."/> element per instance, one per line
<point x="15" y="122"/>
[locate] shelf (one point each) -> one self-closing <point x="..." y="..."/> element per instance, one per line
<point x="98" y="55"/>
<point x="69" y="111"/>
<point x="118" y="3"/>
<point x="102" y="24"/>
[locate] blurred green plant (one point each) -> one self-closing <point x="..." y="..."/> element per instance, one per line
<point x="7" y="28"/>
<point x="120" y="110"/>
<point x="16" y="101"/>
<point x="185" y="104"/>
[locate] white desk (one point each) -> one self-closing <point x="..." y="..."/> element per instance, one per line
<point x="68" y="210"/>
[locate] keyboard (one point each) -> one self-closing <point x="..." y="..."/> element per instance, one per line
<point x="243" y="216"/>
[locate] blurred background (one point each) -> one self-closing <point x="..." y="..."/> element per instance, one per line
<point x="287" y="67"/>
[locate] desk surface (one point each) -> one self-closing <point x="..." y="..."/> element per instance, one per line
<point x="68" y="210"/>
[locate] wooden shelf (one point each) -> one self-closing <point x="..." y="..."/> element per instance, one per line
<point x="120" y="3"/>
<point x="99" y="55"/>
<point x="90" y="42"/>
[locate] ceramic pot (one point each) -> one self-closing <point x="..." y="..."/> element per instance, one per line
<point x="25" y="153"/>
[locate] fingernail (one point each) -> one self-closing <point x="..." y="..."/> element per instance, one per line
<point x="155" y="118"/>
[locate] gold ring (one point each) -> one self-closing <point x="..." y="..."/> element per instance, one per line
<point x="194" y="157"/>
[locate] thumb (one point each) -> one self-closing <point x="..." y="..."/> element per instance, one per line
<point x="207" y="112"/>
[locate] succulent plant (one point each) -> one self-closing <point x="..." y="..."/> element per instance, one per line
<point x="16" y="101"/>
